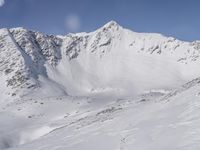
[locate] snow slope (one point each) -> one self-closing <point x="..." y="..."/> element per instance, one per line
<point x="111" y="89"/>
<point x="151" y="121"/>
<point x="111" y="59"/>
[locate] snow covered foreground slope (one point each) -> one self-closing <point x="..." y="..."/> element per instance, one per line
<point x="111" y="89"/>
<point x="147" y="122"/>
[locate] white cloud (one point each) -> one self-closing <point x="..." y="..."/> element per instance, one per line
<point x="2" y="3"/>
<point x="73" y="23"/>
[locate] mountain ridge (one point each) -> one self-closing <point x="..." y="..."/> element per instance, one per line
<point x="46" y="58"/>
<point x="112" y="87"/>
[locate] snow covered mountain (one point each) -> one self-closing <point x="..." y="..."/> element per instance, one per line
<point x="109" y="59"/>
<point x="111" y="89"/>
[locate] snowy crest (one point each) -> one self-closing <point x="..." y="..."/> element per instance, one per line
<point x="108" y="59"/>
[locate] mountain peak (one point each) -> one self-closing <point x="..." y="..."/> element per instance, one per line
<point x="111" y="24"/>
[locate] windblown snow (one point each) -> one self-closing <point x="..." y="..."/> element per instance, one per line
<point x="111" y="89"/>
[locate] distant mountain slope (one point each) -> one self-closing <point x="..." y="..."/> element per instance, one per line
<point x="109" y="59"/>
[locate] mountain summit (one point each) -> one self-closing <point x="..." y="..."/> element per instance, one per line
<point x="109" y="59"/>
<point x="111" y="24"/>
<point x="115" y="88"/>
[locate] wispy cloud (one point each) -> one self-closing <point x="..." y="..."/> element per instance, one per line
<point x="73" y="23"/>
<point x="2" y="3"/>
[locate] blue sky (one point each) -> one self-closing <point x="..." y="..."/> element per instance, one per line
<point x="178" y="18"/>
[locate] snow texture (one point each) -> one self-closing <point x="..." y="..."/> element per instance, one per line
<point x="111" y="89"/>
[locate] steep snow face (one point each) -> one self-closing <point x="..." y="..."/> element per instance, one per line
<point x="13" y="69"/>
<point x="110" y="59"/>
